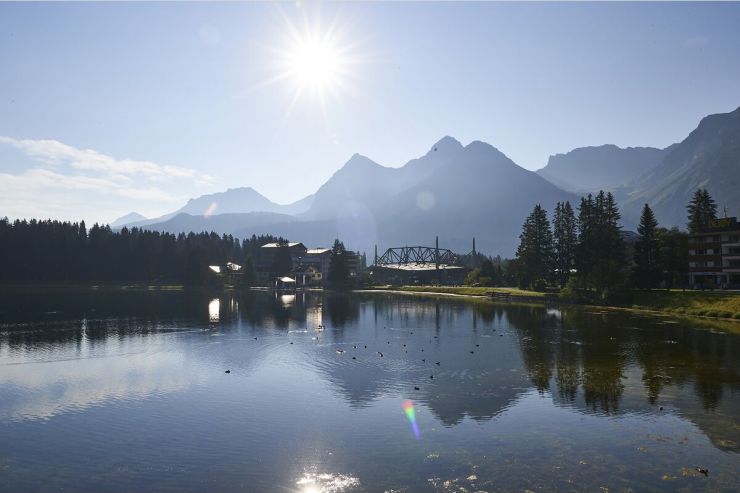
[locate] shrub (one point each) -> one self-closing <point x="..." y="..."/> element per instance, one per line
<point x="571" y="290"/>
<point x="539" y="285"/>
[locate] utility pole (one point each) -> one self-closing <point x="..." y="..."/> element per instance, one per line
<point x="436" y="260"/>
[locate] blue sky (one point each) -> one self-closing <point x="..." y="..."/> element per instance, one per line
<point x="107" y="108"/>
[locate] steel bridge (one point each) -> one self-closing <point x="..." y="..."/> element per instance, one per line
<point x="417" y="255"/>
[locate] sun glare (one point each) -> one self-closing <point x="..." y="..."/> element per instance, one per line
<point x="315" y="63"/>
<point x="313" y="60"/>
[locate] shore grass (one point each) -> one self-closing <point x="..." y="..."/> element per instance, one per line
<point x="692" y="303"/>
<point x="696" y="303"/>
<point x="462" y="290"/>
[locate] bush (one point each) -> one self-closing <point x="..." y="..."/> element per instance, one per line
<point x="539" y="285"/>
<point x="473" y="277"/>
<point x="571" y="291"/>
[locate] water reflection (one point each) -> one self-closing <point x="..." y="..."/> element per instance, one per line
<point x="214" y="310"/>
<point x="537" y="389"/>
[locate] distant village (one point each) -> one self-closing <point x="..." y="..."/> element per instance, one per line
<point x="291" y="265"/>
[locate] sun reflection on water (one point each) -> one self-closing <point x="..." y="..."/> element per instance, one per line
<point x="326" y="483"/>
<point x="214" y="309"/>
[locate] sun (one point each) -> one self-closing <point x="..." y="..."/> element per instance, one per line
<point x="313" y="59"/>
<point x="315" y="64"/>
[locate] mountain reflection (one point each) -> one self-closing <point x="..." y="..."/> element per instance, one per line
<point x="460" y="360"/>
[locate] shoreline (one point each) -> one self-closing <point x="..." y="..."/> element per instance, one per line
<point x="545" y="300"/>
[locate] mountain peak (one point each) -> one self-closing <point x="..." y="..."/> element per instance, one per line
<point x="359" y="161"/>
<point x="131" y="217"/>
<point x="446" y="144"/>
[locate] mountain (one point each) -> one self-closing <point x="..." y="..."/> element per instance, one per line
<point x="131" y="217"/>
<point x="229" y="223"/>
<point x="453" y="191"/>
<point x="457" y="192"/>
<point x="233" y="201"/>
<point x="708" y="158"/>
<point x="240" y="200"/>
<point x="478" y="192"/>
<point x="364" y="184"/>
<point x="604" y="167"/>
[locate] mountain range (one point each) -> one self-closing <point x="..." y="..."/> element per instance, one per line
<point x="586" y="169"/>
<point x="459" y="192"/>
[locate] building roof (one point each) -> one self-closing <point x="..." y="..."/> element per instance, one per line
<point x="278" y="245"/>
<point x="286" y="279"/>
<point x="317" y="251"/>
<point x="418" y="267"/>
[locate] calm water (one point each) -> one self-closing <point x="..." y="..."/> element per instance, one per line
<point x="127" y="391"/>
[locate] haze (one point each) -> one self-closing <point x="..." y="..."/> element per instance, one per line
<point x="109" y="108"/>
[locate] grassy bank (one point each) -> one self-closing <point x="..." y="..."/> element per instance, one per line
<point x="463" y="290"/>
<point x="693" y="303"/>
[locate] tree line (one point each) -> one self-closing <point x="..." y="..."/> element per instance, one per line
<point x="587" y="252"/>
<point x="60" y="251"/>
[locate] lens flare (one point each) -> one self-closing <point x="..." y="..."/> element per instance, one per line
<point x="408" y="408"/>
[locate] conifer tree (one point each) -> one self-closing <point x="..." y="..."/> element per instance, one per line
<point x="338" y="275"/>
<point x="600" y="258"/>
<point x="647" y="249"/>
<point x="565" y="237"/>
<point x="535" y="253"/>
<point x="701" y="210"/>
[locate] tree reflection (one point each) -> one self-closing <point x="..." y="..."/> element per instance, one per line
<point x="593" y="362"/>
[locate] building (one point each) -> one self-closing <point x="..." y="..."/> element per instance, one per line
<point x="268" y="259"/>
<point x="355" y="263"/>
<point x="230" y="273"/>
<point x="714" y="255"/>
<point x="318" y="260"/>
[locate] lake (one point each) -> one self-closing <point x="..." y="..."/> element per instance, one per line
<point x="125" y="390"/>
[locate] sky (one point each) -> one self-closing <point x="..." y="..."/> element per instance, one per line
<point x="107" y="108"/>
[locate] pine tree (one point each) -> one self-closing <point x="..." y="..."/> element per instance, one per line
<point x="338" y="275"/>
<point x="701" y="210"/>
<point x="647" y="249"/>
<point x="565" y="237"/>
<point x="600" y="257"/>
<point x="673" y="256"/>
<point x="535" y="253"/>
